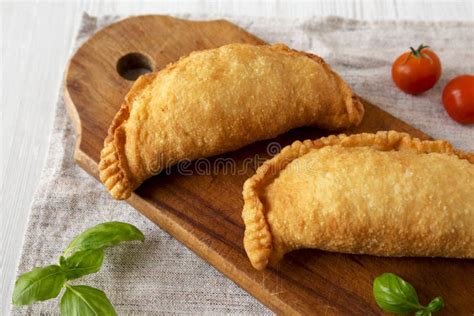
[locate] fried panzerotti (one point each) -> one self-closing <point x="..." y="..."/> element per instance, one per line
<point x="384" y="194"/>
<point x="216" y="101"/>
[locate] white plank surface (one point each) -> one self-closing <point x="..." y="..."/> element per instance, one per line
<point x="36" y="37"/>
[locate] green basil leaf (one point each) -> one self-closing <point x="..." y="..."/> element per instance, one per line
<point x="38" y="285"/>
<point x="436" y="304"/>
<point x="104" y="235"/>
<point x="82" y="263"/>
<point x="395" y="295"/>
<point x="423" y="312"/>
<point x="82" y="300"/>
<point x="62" y="261"/>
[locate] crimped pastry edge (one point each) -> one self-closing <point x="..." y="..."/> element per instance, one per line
<point x="113" y="167"/>
<point x="258" y="236"/>
<point x="354" y="107"/>
<point x="114" y="171"/>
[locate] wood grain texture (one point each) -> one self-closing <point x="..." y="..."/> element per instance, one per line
<point x="27" y="113"/>
<point x="203" y="211"/>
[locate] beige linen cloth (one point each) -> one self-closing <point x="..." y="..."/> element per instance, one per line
<point x="162" y="276"/>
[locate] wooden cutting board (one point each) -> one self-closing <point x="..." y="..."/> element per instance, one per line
<point x="203" y="211"/>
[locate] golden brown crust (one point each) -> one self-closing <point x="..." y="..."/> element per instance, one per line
<point x="161" y="129"/>
<point x="258" y="235"/>
<point x="354" y="106"/>
<point x="113" y="166"/>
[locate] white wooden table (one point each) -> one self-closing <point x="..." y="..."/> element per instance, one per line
<point x="35" y="43"/>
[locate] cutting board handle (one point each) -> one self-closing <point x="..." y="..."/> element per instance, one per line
<point x="103" y="69"/>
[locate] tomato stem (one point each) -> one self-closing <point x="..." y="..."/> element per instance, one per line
<point x="417" y="52"/>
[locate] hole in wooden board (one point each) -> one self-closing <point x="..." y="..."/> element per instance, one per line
<point x="133" y="65"/>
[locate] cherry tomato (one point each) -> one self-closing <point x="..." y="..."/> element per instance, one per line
<point x="416" y="71"/>
<point x="458" y="99"/>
